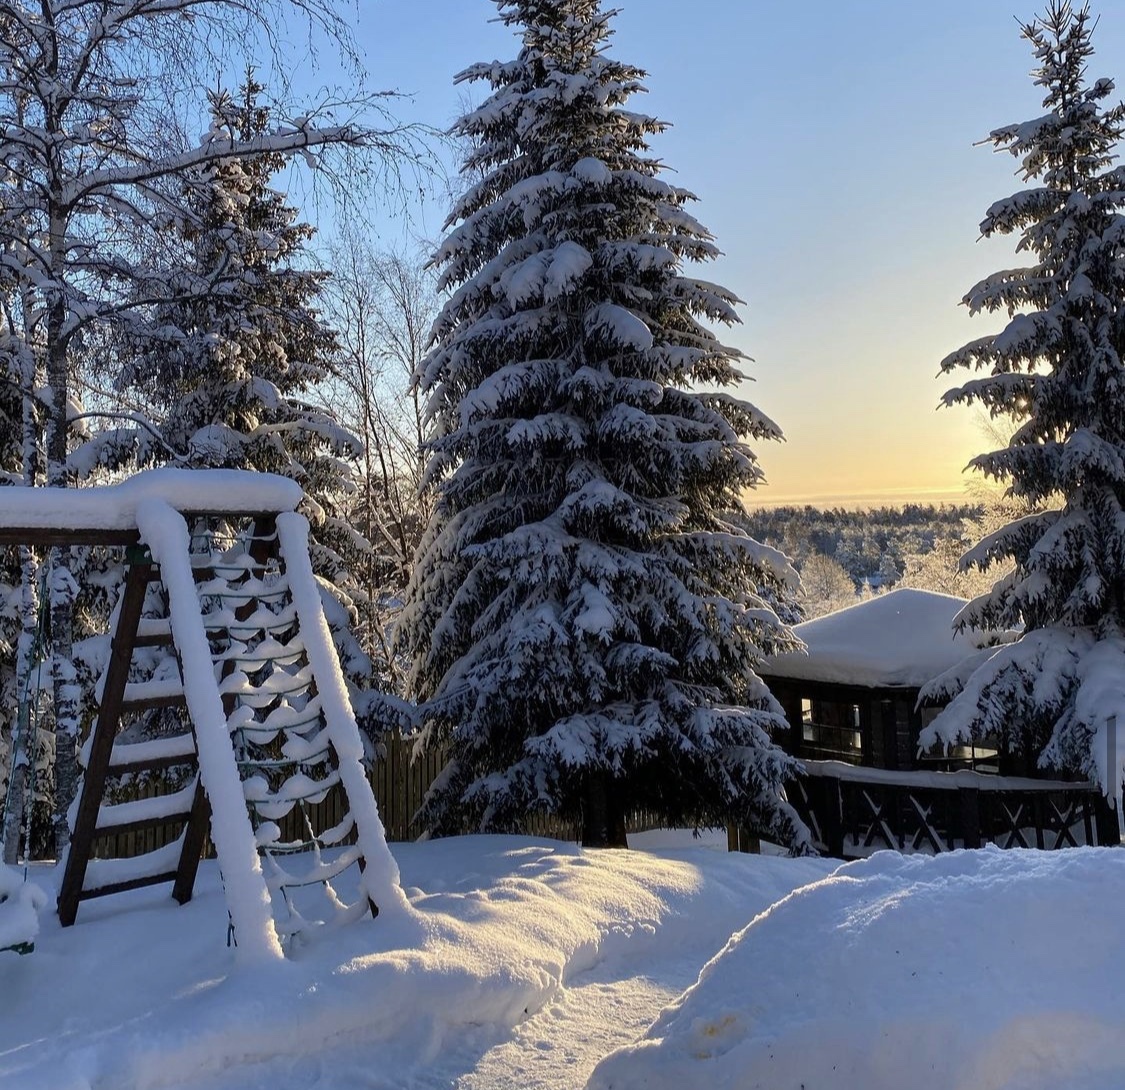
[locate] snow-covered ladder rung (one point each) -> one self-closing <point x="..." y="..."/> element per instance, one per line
<point x="152" y="756"/>
<point x="149" y="695"/>
<point x="105" y="877"/>
<point x="122" y="817"/>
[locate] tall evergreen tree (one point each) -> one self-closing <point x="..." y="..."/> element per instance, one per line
<point x="583" y="619"/>
<point x="1057" y="369"/>
<point x="230" y="357"/>
<point x="232" y="362"/>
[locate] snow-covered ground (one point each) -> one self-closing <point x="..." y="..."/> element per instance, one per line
<point x="529" y="963"/>
<point x="522" y="963"/>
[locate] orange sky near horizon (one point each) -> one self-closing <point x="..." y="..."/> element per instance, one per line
<point x="857" y="392"/>
<point x="837" y="160"/>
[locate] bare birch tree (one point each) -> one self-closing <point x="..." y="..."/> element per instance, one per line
<point x="382" y="307"/>
<point x="87" y="97"/>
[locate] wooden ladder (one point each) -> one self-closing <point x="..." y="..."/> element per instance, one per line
<point x="94" y="819"/>
<point x="246" y="681"/>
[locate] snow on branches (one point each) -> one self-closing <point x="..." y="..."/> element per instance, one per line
<point x="1057" y="370"/>
<point x="583" y="619"/>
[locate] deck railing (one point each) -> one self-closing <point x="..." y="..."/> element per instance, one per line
<point x="853" y="811"/>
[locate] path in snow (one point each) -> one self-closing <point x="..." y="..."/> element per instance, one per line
<point x="597" y="1011"/>
<point x="557" y="1048"/>
<point x="601" y="1010"/>
<point x="613" y="1003"/>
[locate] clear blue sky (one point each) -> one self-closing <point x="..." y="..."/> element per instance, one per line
<point x="831" y="146"/>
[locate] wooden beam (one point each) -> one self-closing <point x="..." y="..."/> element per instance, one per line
<point x="195" y="834"/>
<point x="62" y="535"/>
<point x="131" y="883"/>
<point x="155" y="639"/>
<point x="42" y="537"/>
<point x="152" y="764"/>
<point x="101" y="744"/>
<point x="141" y="824"/>
<point x="151" y="703"/>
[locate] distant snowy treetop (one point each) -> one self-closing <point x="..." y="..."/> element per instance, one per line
<point x="113" y="507"/>
<point x="904" y="638"/>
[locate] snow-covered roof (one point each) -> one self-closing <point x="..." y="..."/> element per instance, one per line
<point x="114" y="506"/>
<point x="904" y="637"/>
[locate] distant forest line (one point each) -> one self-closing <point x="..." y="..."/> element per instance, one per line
<point x="844" y="553"/>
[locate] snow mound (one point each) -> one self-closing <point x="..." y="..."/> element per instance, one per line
<point x="998" y="970"/>
<point x="20" y="905"/>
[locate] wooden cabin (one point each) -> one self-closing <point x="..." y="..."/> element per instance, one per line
<point x="851" y="703"/>
<point x="853" y="696"/>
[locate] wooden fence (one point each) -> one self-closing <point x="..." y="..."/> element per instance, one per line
<point x="399" y="785"/>
<point x="851" y="811"/>
<point x="398" y="782"/>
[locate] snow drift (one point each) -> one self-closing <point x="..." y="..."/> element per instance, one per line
<point x="143" y="993"/>
<point x="986" y="969"/>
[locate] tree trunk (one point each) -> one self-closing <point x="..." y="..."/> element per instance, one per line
<point x="62" y="590"/>
<point x="603" y="820"/>
<point x="61" y="586"/>
<point x="23" y="746"/>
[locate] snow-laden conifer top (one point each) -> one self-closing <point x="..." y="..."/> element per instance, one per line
<point x="1057" y="371"/>
<point x="114" y="506"/>
<point x="905" y="637"/>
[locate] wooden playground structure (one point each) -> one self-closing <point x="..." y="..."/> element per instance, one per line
<point x="219" y="636"/>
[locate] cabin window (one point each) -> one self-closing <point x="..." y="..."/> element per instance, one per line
<point x="980" y="755"/>
<point x="831" y="730"/>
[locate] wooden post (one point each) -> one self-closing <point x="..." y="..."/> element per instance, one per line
<point x="101" y="744"/>
<point x="791" y="703"/>
<point x="834" y="818"/>
<point x="192" y="849"/>
<point x="1106" y="814"/>
<point x="400" y="789"/>
<point x="1106" y="821"/>
<point x="739" y="839"/>
<point x="888" y="725"/>
<point x="969" y="816"/>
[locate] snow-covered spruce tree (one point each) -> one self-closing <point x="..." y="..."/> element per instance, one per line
<point x="1057" y="368"/>
<point x="583" y="621"/>
<point x="230" y="364"/>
